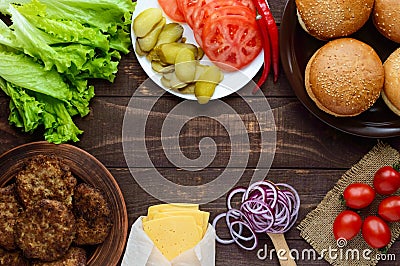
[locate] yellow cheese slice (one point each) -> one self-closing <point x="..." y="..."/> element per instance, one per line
<point x="173" y="235"/>
<point x="200" y="232"/>
<point x="169" y="207"/>
<point x="201" y="217"/>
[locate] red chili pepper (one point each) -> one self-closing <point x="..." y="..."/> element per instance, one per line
<point x="262" y="24"/>
<point x="265" y="12"/>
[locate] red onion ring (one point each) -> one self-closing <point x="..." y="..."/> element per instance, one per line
<point x="265" y="207"/>
<point x="263" y="186"/>
<point x="233" y="193"/>
<point x="217" y="238"/>
<point x="238" y="236"/>
<point x="261" y="219"/>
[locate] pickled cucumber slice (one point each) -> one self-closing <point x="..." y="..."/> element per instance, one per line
<point x="205" y="86"/>
<point x="185" y="65"/>
<point x="148" y="42"/>
<point x="168" y="51"/>
<point x="160" y="68"/>
<point x="146" y="21"/>
<point x="172" y="32"/>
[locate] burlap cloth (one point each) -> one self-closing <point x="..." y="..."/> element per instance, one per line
<point x="316" y="228"/>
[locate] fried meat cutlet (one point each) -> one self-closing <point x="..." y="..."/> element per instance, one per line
<point x="45" y="231"/>
<point x="12" y="258"/>
<point x="45" y="177"/>
<point x="93" y="215"/>
<point x="9" y="211"/>
<point x="75" y="256"/>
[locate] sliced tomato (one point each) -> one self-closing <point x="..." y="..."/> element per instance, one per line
<point x="216" y="9"/>
<point x="231" y="42"/>
<point x="188" y="7"/>
<point x="170" y="8"/>
<point x="248" y="3"/>
<point x="212" y="5"/>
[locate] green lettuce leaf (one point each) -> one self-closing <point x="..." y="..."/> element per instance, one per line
<point x="112" y="17"/>
<point x="121" y="41"/>
<point x="7" y="37"/>
<point x="25" y="72"/>
<point x="51" y="50"/>
<point x="25" y="110"/>
<point x="106" y="15"/>
<point x="35" y="44"/>
<point x="58" y="124"/>
<point x="68" y="31"/>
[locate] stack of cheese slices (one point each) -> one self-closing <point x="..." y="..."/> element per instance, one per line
<point x="175" y="228"/>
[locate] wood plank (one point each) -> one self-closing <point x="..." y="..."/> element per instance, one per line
<point x="232" y="255"/>
<point x="298" y="143"/>
<point x="303" y="180"/>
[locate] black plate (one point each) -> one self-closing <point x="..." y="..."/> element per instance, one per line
<point x="297" y="47"/>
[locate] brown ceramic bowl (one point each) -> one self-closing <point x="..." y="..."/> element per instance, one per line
<point x="85" y="168"/>
<point x="297" y="47"/>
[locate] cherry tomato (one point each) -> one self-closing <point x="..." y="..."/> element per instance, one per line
<point x="376" y="232"/>
<point x="389" y="209"/>
<point x="358" y="195"/>
<point x="386" y="180"/>
<point x="347" y="225"/>
<point x="170" y="7"/>
<point x="231" y="42"/>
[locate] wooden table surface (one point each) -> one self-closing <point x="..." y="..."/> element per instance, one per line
<point x="310" y="155"/>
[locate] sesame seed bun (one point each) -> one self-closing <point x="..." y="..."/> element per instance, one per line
<point x="344" y="77"/>
<point x="391" y="88"/>
<point x="386" y="18"/>
<point x="328" y="19"/>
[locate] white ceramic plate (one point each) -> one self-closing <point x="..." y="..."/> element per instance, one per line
<point x="233" y="81"/>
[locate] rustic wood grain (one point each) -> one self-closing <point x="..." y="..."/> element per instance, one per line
<point x="298" y="143"/>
